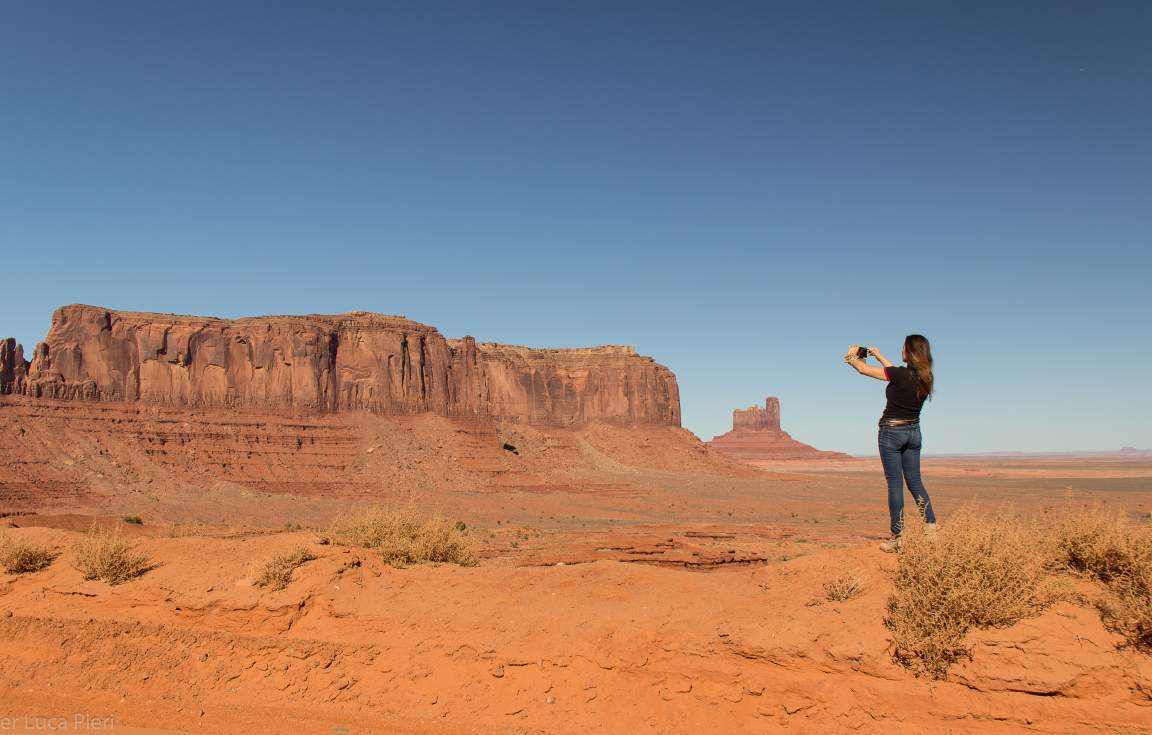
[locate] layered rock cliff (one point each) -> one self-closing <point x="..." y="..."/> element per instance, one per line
<point x="756" y="435"/>
<point x="13" y="366"/>
<point x="355" y="361"/>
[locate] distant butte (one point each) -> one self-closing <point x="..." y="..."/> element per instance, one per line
<point x="756" y="435"/>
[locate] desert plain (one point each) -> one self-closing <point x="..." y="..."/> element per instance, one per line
<point x="629" y="578"/>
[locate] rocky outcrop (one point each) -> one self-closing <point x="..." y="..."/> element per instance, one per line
<point x="756" y="435"/>
<point x="538" y="385"/>
<point x="755" y="418"/>
<point x="13" y="367"/>
<point x="355" y="361"/>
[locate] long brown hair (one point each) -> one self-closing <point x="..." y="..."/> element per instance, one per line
<point x="918" y="355"/>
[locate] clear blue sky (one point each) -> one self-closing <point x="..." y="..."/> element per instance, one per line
<point x="738" y="189"/>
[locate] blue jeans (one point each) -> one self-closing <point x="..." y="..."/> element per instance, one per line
<point x="900" y="455"/>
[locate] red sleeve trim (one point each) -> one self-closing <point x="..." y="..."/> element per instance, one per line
<point x="886" y="373"/>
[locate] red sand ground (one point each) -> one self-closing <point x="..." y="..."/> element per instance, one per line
<point x="624" y="587"/>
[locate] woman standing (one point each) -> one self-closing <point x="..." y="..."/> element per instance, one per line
<point x="908" y="388"/>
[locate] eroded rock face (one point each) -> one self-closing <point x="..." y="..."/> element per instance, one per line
<point x="758" y="419"/>
<point x="356" y="361"/>
<point x="756" y="435"/>
<point x="13" y="367"/>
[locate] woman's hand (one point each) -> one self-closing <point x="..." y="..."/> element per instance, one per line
<point x="875" y="352"/>
<point x="861" y="366"/>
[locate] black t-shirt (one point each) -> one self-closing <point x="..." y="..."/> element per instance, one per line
<point x="903" y="402"/>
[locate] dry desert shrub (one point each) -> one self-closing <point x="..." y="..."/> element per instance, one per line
<point x="277" y="571"/>
<point x="844" y="586"/>
<point x="19" y="557"/>
<point x="1107" y="547"/>
<point x="979" y="571"/>
<point x="107" y="556"/>
<point x="187" y="528"/>
<point x="1127" y="609"/>
<point x="403" y="536"/>
<point x="1102" y="544"/>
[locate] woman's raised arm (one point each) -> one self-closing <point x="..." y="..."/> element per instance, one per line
<point x="863" y="367"/>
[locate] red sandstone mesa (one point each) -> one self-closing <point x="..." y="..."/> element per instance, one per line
<point x="756" y="435"/>
<point x="355" y="361"/>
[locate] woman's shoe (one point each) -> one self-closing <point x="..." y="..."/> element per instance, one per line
<point x="891" y="546"/>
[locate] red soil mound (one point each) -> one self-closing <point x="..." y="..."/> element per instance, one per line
<point x="75" y="454"/>
<point x="604" y="647"/>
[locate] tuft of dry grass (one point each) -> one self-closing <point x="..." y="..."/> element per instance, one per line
<point x="20" y="557"/>
<point x="277" y="571"/>
<point x="1108" y="548"/>
<point x="844" y="586"/>
<point x="403" y="536"/>
<point x="107" y="556"/>
<point x="979" y="571"/>
<point x="187" y="528"/>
